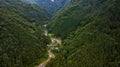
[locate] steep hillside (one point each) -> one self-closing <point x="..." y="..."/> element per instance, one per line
<point x="91" y="33"/>
<point x="69" y="19"/>
<point x="79" y="14"/>
<point x="22" y="43"/>
<point x="30" y="12"/>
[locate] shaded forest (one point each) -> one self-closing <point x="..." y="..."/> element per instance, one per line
<point x="22" y="43"/>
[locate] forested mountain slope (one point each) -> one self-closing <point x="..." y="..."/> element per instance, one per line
<point x="22" y="42"/>
<point x="79" y="14"/>
<point x="31" y="12"/>
<point x="91" y="33"/>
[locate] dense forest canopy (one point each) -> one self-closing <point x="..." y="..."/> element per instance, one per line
<point x="91" y="33"/>
<point x="22" y="41"/>
<point x="30" y="12"/>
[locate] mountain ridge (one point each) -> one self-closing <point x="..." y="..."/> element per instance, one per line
<point x="91" y="32"/>
<point x="51" y="7"/>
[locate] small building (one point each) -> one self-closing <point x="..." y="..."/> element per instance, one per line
<point x="57" y="48"/>
<point x="53" y="40"/>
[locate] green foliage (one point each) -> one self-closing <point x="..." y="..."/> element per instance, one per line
<point x="95" y="40"/>
<point x="22" y="43"/>
<point x="30" y="12"/>
<point x="71" y="18"/>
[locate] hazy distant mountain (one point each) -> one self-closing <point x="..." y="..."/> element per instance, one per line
<point x="49" y="5"/>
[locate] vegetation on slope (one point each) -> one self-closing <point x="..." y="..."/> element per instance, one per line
<point x="94" y="41"/>
<point x="30" y="12"/>
<point x="22" y="42"/>
<point x="79" y="14"/>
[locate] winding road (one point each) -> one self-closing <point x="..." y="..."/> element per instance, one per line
<point x="51" y="55"/>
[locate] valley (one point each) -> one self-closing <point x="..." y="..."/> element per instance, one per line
<point x="59" y="33"/>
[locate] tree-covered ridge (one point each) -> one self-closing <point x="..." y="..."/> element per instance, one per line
<point x="31" y="12"/>
<point x="22" y="43"/>
<point x="74" y="16"/>
<point x="93" y="29"/>
<point x="66" y="21"/>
